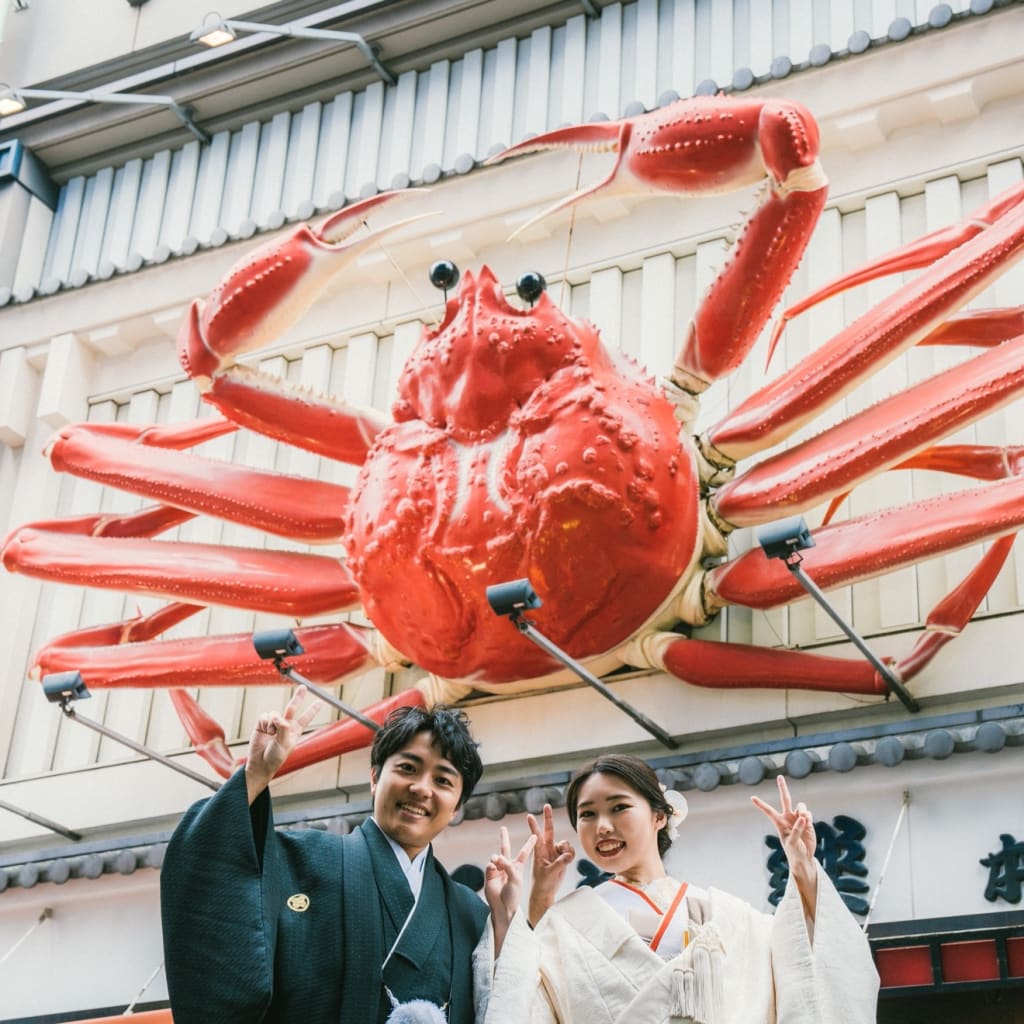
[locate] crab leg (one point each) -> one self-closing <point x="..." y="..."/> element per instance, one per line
<point x="125" y="457"/>
<point x="981" y="328"/>
<point x="874" y="440"/>
<point x="708" y="145"/>
<point x="977" y="461"/>
<point x="257" y="301"/>
<point x="899" y="537"/>
<point x="285" y="582"/>
<point x="773" y="413"/>
<point x="917" y="254"/>
<point x="332" y="652"/>
<point x="736" y="666"/>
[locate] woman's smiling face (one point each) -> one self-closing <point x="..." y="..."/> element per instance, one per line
<point x="618" y="828"/>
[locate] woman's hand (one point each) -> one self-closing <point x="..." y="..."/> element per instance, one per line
<point x="799" y="842"/>
<point x="273" y="738"/>
<point x="503" y="884"/>
<point x="550" y="860"/>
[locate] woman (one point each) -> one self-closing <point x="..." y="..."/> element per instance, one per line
<point x="644" y="948"/>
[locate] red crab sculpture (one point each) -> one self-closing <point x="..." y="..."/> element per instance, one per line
<point x="520" y="447"/>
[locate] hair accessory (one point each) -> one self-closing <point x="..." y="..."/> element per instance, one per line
<point x="679" y="811"/>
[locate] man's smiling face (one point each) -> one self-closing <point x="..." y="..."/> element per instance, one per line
<point x="415" y="793"/>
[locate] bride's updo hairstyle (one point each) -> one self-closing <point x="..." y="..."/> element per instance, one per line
<point x="636" y="774"/>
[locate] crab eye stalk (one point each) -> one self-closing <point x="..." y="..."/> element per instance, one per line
<point x="531" y="286"/>
<point x="444" y="275"/>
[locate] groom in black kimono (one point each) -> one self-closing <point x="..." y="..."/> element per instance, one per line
<point x="306" y="927"/>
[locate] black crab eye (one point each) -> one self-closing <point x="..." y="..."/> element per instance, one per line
<point x="531" y="286"/>
<point x="444" y="275"/>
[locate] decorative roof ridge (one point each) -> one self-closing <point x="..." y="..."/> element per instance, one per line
<point x="986" y="730"/>
<point x="860" y="41"/>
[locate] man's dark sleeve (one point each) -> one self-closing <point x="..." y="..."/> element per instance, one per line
<point x="218" y="901"/>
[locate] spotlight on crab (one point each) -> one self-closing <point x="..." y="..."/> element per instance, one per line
<point x="59" y="687"/>
<point x="782" y="539"/>
<point x="512" y="597"/>
<point x="444" y="275"/>
<point x="531" y="286"/>
<point x="276" y="643"/>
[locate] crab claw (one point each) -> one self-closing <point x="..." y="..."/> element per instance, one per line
<point x="264" y="294"/>
<point x="604" y="137"/>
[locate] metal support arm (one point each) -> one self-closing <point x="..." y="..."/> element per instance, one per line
<point x="891" y="680"/>
<point x="527" y="628"/>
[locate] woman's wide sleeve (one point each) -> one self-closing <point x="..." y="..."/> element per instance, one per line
<point x="828" y="975"/>
<point x="215" y="907"/>
<point x="516" y="993"/>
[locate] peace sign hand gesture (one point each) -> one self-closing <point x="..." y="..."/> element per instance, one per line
<point x="550" y="860"/>
<point x="503" y="884"/>
<point x="795" y="826"/>
<point x="273" y="738"/>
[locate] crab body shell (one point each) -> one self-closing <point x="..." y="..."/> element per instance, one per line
<point x="520" y="446"/>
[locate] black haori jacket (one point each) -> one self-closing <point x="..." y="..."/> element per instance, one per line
<point x="268" y="927"/>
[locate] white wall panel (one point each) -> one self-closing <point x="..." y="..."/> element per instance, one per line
<point x="206" y="210"/>
<point x="181" y="188"/>
<point x="332" y="157"/>
<point x="240" y="182"/>
<point x="124" y="203"/>
<point x="152" y="196"/>
<point x="270" y="165"/>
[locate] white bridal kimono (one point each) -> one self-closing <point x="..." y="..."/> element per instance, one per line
<point x="585" y="964"/>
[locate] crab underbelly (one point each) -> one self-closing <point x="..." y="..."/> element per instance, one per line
<point x="602" y="527"/>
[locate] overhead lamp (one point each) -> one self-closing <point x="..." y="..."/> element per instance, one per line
<point x="276" y="645"/>
<point x="785" y="540"/>
<point x="218" y="31"/>
<point x="518" y="596"/>
<point x="64" y="688"/>
<point x="12" y="101"/>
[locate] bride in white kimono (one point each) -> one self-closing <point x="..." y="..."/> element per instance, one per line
<point x="644" y="948"/>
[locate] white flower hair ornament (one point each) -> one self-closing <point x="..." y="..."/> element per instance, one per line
<point x="679" y="811"/>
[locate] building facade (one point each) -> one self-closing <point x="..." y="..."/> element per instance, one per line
<point x="116" y="214"/>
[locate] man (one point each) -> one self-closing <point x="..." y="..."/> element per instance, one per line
<point x="265" y="927"/>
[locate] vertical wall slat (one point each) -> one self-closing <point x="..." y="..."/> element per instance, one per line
<point x="181" y="187"/>
<point x="467" y="141"/>
<point x="32" y="257"/>
<point x="152" y="197"/>
<point x="367" y="119"/>
<point x="86" y="257"/>
<point x="300" y="166"/>
<point x="117" y="235"/>
<point x="332" y="155"/>
<point x="573" y="73"/>
<point x="65" y="229"/>
<point x="609" y="84"/>
<point x="270" y="164"/>
<point x="206" y="209"/>
<point x="538" y="84"/>
<point x="241" y="178"/>
<point x="399" y="129"/>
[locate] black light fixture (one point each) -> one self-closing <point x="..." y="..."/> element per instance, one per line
<point x="64" y="688"/>
<point x="276" y="645"/>
<point x="517" y="596"/>
<point x="785" y="540"/>
<point x="218" y="31"/>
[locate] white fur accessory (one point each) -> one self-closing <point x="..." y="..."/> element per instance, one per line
<point x="419" y="1011"/>
<point x="679" y="811"/>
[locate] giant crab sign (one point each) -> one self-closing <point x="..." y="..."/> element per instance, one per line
<point x="520" y="447"/>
